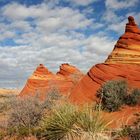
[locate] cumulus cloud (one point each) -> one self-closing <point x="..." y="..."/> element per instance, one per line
<point x="113" y="19"/>
<point x="6" y="35"/>
<point x="83" y="2"/>
<point x="53" y="34"/>
<point x="45" y="34"/>
<point x="120" y="4"/>
<point x="99" y="45"/>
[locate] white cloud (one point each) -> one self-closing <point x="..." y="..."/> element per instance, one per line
<point x="120" y="4"/>
<point x="119" y="27"/>
<point x="53" y="3"/>
<point x="83" y="2"/>
<point x="20" y="25"/>
<point x="48" y="35"/>
<point x="100" y="45"/>
<point x="111" y="17"/>
<point x="15" y="10"/>
<point x="113" y="20"/>
<point x="7" y="35"/>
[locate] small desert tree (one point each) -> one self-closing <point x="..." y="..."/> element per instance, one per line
<point x="112" y="95"/>
<point x="53" y="95"/>
<point x="24" y="115"/>
<point x="27" y="112"/>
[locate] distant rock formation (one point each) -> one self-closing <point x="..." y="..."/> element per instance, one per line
<point x="122" y="63"/>
<point x="42" y="80"/>
<point x="67" y="70"/>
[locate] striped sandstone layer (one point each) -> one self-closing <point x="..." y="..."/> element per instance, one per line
<point x="122" y="63"/>
<point x="42" y="80"/>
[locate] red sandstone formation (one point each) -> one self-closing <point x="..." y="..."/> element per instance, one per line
<point x="122" y="63"/>
<point x="42" y="80"/>
<point x="127" y="48"/>
<point x="71" y="72"/>
<point x="68" y="70"/>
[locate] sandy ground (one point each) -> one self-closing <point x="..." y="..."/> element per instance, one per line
<point x="9" y="91"/>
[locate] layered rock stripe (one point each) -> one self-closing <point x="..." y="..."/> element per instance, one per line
<point x="127" y="48"/>
<point x="122" y="63"/>
<point x="42" y="81"/>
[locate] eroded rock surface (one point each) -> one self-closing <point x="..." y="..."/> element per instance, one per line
<point x="122" y="63"/>
<point x="42" y="81"/>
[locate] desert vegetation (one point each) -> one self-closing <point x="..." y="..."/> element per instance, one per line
<point x="30" y="117"/>
<point x="114" y="94"/>
<point x="130" y="132"/>
<point x="57" y="119"/>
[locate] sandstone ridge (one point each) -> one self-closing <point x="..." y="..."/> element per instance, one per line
<point x="123" y="64"/>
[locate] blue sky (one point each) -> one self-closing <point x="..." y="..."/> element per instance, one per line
<point x="52" y="32"/>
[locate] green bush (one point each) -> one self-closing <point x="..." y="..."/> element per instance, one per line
<point x="133" y="98"/>
<point x="112" y="95"/>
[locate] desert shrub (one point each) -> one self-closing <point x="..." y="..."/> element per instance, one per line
<point x="2" y="135"/>
<point x="92" y="124"/>
<point x="3" y="107"/>
<point x="26" y="112"/>
<point x="132" y="132"/>
<point x="121" y="132"/>
<point x="5" y="101"/>
<point x="133" y="98"/>
<point x="60" y="124"/>
<point x="53" y="95"/>
<point x="112" y="95"/>
<point x="24" y="115"/>
<point x="68" y="122"/>
<point x="76" y="77"/>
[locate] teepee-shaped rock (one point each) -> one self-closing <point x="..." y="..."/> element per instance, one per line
<point x="127" y="48"/>
<point x="41" y="70"/>
<point x="122" y="63"/>
<point x="38" y="82"/>
<point x="42" y="81"/>
<point x="68" y="70"/>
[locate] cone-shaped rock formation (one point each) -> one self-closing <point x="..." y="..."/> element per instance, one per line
<point x="42" y="80"/>
<point x="67" y="70"/>
<point x="122" y="63"/>
<point x="127" y="48"/>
